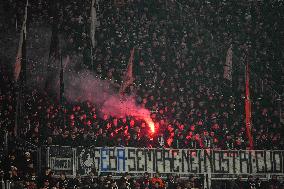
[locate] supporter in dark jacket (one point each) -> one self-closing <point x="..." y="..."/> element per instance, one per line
<point x="237" y="184"/>
<point x="63" y="182"/>
<point x="91" y="181"/>
<point x="273" y="183"/>
<point x="250" y="184"/>
<point x="145" y="182"/>
<point x="77" y="182"/>
<point x="171" y="182"/>
<point x="47" y="175"/>
<point x="27" y="165"/>
<point x="11" y="161"/>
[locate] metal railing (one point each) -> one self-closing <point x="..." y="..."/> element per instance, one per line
<point x="11" y="184"/>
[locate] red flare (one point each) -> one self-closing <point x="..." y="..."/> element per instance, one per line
<point x="151" y="124"/>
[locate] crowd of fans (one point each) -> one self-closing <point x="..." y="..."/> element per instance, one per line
<point x="180" y="50"/>
<point x="178" y="69"/>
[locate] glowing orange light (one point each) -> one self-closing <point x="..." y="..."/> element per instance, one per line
<point x="151" y="124"/>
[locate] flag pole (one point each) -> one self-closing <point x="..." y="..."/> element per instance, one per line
<point x="92" y="61"/>
<point x="248" y="108"/>
<point x="17" y="109"/>
<point x="61" y="92"/>
<point x="61" y="88"/>
<point x="93" y="29"/>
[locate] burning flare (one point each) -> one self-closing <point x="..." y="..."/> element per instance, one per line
<point x="151" y="124"/>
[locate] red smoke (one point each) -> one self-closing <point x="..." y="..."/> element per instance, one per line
<point x="118" y="107"/>
<point x="87" y="87"/>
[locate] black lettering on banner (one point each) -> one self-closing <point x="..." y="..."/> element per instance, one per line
<point x="269" y="162"/>
<point x="208" y="157"/>
<point x="150" y="164"/>
<point x="152" y="151"/>
<point x="64" y="164"/>
<point x="97" y="156"/>
<point x="277" y="160"/>
<point x="159" y="160"/>
<point x="175" y="155"/>
<point x="220" y="161"/>
<point x="54" y="163"/>
<point x="140" y="164"/>
<point x="259" y="155"/>
<point x="272" y="161"/>
<point x="58" y="164"/>
<point x="69" y="164"/>
<point x="167" y="160"/>
<point x="234" y="155"/>
<point x="225" y="161"/>
<point x="151" y="160"/>
<point x="217" y="161"/>
<point x="112" y="157"/>
<point x="200" y="154"/>
<point x="61" y="163"/>
<point x="250" y="161"/>
<point x="193" y="156"/>
<point x="185" y="159"/>
<point x="131" y="158"/>
<point x="265" y="165"/>
<point x="244" y="158"/>
<point x="146" y="159"/>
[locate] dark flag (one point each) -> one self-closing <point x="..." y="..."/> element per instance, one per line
<point x="229" y="65"/>
<point x="20" y="66"/>
<point x="20" y="73"/>
<point x="54" y="54"/>
<point x="128" y="76"/>
<point x="248" y="109"/>
<point x="61" y="96"/>
<point x="54" y="43"/>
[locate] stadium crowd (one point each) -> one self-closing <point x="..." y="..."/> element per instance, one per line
<point x="180" y="50"/>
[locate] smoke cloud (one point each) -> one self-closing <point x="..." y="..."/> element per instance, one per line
<point x="86" y="86"/>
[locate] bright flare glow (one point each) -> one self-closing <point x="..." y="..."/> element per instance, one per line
<point x="151" y="124"/>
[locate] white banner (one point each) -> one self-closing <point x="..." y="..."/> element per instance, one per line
<point x="180" y="161"/>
